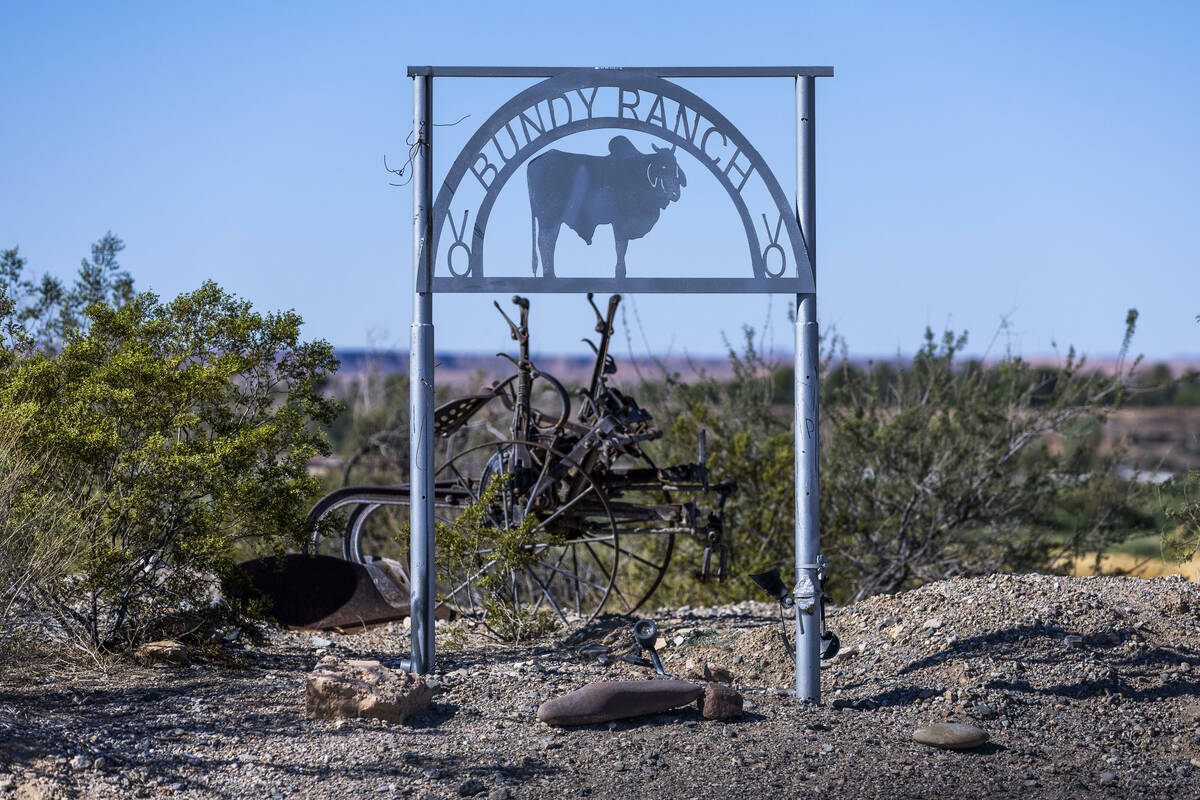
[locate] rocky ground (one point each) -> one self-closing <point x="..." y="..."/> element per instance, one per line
<point x="1087" y="686"/>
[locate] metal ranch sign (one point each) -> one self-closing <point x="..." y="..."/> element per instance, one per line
<point x="631" y="187"/>
<point x="626" y="189"/>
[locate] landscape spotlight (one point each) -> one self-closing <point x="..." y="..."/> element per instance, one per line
<point x="771" y="583"/>
<point x="645" y="632"/>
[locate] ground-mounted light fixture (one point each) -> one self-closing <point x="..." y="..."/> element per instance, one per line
<point x="771" y="582"/>
<point x="646" y="633"/>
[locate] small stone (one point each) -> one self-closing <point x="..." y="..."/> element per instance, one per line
<point x="100" y="764"/>
<point x="499" y="794"/>
<point x="594" y="652"/>
<point x="717" y="674"/>
<point x="32" y="790"/>
<point x="951" y="736"/>
<point x="471" y="787"/>
<point x="706" y="672"/>
<point x="1073" y="640"/>
<point x="984" y="711"/>
<point x="719" y="702"/>
<point x="321" y="641"/>
<point x="431" y="773"/>
<point x="933" y="623"/>
<point x="79" y="763"/>
<point x="1107" y="778"/>
<point x="1195" y="762"/>
<point x="166" y="651"/>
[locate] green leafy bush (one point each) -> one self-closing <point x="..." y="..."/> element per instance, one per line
<point x="179" y="430"/>
<point x="466" y="543"/>
<point x="928" y="470"/>
<point x="1183" y="541"/>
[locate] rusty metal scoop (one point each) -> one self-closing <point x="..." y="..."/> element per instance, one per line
<point x="321" y="592"/>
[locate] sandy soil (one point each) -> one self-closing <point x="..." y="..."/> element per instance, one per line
<point x="1087" y="687"/>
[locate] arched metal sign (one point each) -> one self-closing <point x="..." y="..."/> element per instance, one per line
<point x="627" y="189"/>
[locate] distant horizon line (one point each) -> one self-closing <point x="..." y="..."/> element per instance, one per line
<point x="483" y="352"/>
<point x="462" y="363"/>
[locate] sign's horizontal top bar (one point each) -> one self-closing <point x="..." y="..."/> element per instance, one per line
<point x="659" y="72"/>
<point x="506" y="285"/>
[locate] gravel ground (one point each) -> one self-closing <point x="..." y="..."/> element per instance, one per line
<point x="1087" y="686"/>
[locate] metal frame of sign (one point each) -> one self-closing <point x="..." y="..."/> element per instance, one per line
<point x="564" y="103"/>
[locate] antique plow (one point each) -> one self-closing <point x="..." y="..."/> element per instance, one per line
<point x="596" y="517"/>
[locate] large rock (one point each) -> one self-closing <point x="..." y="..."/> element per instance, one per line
<point x="604" y="701"/>
<point x="951" y="736"/>
<point x="347" y="689"/>
<point x="166" y="651"/>
<point x="719" y="702"/>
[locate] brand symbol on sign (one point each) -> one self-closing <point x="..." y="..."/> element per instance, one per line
<point x="627" y="189"/>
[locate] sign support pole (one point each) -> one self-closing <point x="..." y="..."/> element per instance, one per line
<point x="420" y="390"/>
<point x="808" y="585"/>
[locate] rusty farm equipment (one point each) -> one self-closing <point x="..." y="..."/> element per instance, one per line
<point x="595" y="519"/>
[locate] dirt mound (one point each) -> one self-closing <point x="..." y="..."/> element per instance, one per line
<point x="1085" y="686"/>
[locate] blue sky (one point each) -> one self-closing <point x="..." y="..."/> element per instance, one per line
<point x="976" y="162"/>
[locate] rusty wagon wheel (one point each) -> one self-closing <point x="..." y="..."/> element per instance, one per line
<point x="583" y="553"/>
<point x="587" y="551"/>
<point x="536" y="542"/>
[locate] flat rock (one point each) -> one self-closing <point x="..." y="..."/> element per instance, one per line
<point x="604" y="701"/>
<point x="951" y="736"/>
<point x="348" y="689"/>
<point x="719" y="702"/>
<point x="166" y="651"/>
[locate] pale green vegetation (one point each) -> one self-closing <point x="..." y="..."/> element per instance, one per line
<point x="1183" y="541"/>
<point x="153" y="442"/>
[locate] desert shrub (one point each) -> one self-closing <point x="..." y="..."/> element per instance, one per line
<point x="513" y="548"/>
<point x="1182" y="542"/>
<point x="928" y="470"/>
<point x="750" y="442"/>
<point x="39" y="527"/>
<point x="960" y="471"/>
<point x="180" y="431"/>
<point x="372" y="434"/>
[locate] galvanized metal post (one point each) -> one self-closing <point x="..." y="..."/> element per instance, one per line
<point x="421" y="545"/>
<point x="807" y="591"/>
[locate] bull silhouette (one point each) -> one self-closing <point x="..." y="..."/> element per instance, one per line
<point x="627" y="189"/>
